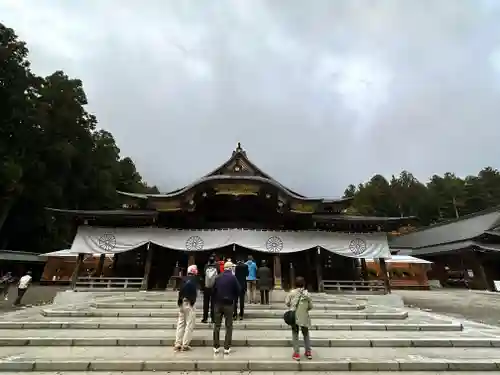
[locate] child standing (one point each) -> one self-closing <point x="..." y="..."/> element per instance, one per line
<point x="300" y="301"/>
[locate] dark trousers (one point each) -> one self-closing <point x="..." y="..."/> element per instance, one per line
<point x="208" y="302"/>
<point x="264" y="297"/>
<point x="227" y="312"/>
<point x="241" y="299"/>
<point x="20" y="294"/>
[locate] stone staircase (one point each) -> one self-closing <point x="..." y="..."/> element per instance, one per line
<point x="135" y="332"/>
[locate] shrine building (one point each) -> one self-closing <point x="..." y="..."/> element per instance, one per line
<point x="235" y="211"/>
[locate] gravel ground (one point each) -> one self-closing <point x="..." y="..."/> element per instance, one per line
<point x="36" y="295"/>
<point x="479" y="306"/>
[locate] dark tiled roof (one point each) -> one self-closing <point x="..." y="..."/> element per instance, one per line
<point x="125" y="212"/>
<point x="465" y="228"/>
<point x="381" y="219"/>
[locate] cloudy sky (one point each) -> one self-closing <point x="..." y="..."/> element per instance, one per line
<point x="320" y="93"/>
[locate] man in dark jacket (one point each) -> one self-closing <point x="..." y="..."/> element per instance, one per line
<point x="264" y="282"/>
<point x="226" y="291"/>
<point x="241" y="273"/>
<point x="188" y="293"/>
<point x="210" y="273"/>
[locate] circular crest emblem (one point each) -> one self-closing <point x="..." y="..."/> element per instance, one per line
<point x="357" y="246"/>
<point x="194" y="243"/>
<point x="107" y="241"/>
<point x="274" y="244"/>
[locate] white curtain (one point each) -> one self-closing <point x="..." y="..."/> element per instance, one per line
<point x="115" y="240"/>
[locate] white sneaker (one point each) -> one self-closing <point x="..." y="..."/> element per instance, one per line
<point x="216" y="350"/>
<point x="227" y="351"/>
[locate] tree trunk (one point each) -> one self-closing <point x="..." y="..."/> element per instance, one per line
<point x="4" y="214"/>
<point x="454" y="201"/>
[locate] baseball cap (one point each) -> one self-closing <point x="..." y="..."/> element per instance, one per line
<point x="193" y="269"/>
<point x="228" y="265"/>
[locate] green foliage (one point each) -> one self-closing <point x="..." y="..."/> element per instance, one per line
<point x="51" y="153"/>
<point x="442" y="198"/>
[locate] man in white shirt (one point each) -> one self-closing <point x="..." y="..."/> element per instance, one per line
<point x="24" y="283"/>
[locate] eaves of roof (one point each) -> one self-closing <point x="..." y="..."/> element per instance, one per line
<point x="224" y="178"/>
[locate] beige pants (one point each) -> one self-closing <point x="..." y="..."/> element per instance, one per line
<point x="252" y="291"/>
<point x="185" y="324"/>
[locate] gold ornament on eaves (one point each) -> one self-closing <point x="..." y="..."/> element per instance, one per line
<point x="236" y="189"/>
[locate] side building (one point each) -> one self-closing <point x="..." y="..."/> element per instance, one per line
<point x="235" y="211"/>
<point x="465" y="252"/>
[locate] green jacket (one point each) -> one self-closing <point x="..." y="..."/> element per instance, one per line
<point x="300" y="300"/>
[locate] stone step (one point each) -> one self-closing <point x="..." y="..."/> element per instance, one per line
<point x="260" y="325"/>
<point x="250" y="314"/>
<point x="105" y="341"/>
<point x="251" y="373"/>
<point x="131" y="358"/>
<point x="248" y="307"/>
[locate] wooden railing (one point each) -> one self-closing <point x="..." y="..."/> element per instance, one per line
<point x="353" y="286"/>
<point x="107" y="283"/>
<point x="407" y="284"/>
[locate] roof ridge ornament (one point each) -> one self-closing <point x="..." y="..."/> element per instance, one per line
<point x="239" y="150"/>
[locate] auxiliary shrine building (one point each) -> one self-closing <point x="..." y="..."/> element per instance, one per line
<point x="235" y="211"/>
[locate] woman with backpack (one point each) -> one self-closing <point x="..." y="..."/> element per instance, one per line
<point x="299" y="303"/>
<point x="210" y="273"/>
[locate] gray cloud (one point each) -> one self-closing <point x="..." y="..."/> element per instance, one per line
<point x="321" y="94"/>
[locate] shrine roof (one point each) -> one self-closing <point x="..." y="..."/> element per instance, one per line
<point x="237" y="168"/>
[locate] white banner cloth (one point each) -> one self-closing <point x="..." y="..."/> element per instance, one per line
<point x="116" y="240"/>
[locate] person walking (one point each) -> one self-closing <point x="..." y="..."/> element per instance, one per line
<point x="5" y="282"/>
<point x="226" y="291"/>
<point x="299" y="300"/>
<point x="22" y="287"/>
<point x="251" y="280"/>
<point x="241" y="273"/>
<point x="210" y="272"/>
<point x="264" y="282"/>
<point x="186" y="320"/>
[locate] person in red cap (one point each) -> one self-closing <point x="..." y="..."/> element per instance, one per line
<point x="188" y="293"/>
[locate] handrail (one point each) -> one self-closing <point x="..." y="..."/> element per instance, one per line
<point x="109" y="282"/>
<point x="374" y="286"/>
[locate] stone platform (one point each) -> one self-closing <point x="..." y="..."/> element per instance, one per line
<point x="135" y="332"/>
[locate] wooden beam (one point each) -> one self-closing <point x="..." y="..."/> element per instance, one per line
<point x="76" y="270"/>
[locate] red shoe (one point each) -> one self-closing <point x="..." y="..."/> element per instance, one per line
<point x="296" y="356"/>
<point x="308" y="355"/>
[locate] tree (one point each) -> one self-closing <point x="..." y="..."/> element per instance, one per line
<point x="442" y="198"/>
<point x="51" y="154"/>
<point x="18" y="130"/>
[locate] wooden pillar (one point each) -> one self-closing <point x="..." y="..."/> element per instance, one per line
<point x="277" y="272"/>
<point x="100" y="265"/>
<point x="319" y="269"/>
<point x="292" y="276"/>
<point x="76" y="270"/>
<point x="385" y="275"/>
<point x="364" y="269"/>
<point x="147" y="267"/>
<point x="191" y="259"/>
<point x="478" y="269"/>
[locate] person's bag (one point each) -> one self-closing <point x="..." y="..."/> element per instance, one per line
<point x="290" y="316"/>
<point x="210" y="275"/>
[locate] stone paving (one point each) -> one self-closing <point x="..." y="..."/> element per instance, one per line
<point x="135" y="332"/>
